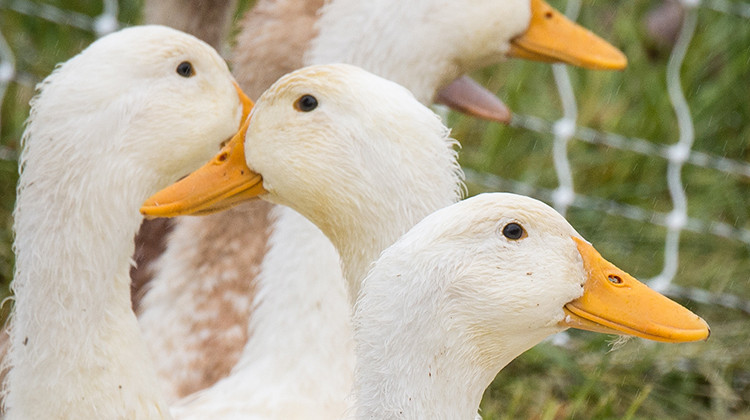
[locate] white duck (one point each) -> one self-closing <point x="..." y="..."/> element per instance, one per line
<point x="196" y="312"/>
<point x="473" y="286"/>
<point x="364" y="161"/>
<point x="133" y="112"/>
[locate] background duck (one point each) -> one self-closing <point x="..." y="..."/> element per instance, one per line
<point x="362" y="205"/>
<point x="130" y="114"/>
<point x="209" y="20"/>
<point x="210" y="335"/>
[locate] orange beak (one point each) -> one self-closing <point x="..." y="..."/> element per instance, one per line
<point x="614" y="302"/>
<point x="551" y="37"/>
<point x="223" y="182"/>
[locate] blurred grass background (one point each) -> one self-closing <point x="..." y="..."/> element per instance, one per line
<point x="590" y="377"/>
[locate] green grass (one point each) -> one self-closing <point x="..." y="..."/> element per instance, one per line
<point x="591" y="378"/>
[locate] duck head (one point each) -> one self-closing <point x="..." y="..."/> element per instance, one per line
<point x="517" y="266"/>
<point x="163" y="100"/>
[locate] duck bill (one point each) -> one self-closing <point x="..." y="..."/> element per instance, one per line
<point x="551" y="37"/>
<point x="469" y="97"/>
<point x="247" y="103"/>
<point x="223" y="182"/>
<point x="614" y="302"/>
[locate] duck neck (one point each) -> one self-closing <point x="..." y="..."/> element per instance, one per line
<point x="415" y="358"/>
<point x="76" y="350"/>
<point x="346" y="29"/>
<point x="426" y="346"/>
<point x="312" y="338"/>
<point x="361" y="235"/>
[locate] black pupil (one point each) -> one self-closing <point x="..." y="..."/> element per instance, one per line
<point x="185" y="69"/>
<point x="513" y="231"/>
<point x="307" y="103"/>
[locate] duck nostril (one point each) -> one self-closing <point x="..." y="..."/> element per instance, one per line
<point x="614" y="279"/>
<point x="222" y="157"/>
<point x="548" y="15"/>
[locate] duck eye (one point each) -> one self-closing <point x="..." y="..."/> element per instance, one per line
<point x="185" y="69"/>
<point x="306" y="103"/>
<point x="513" y="231"/>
